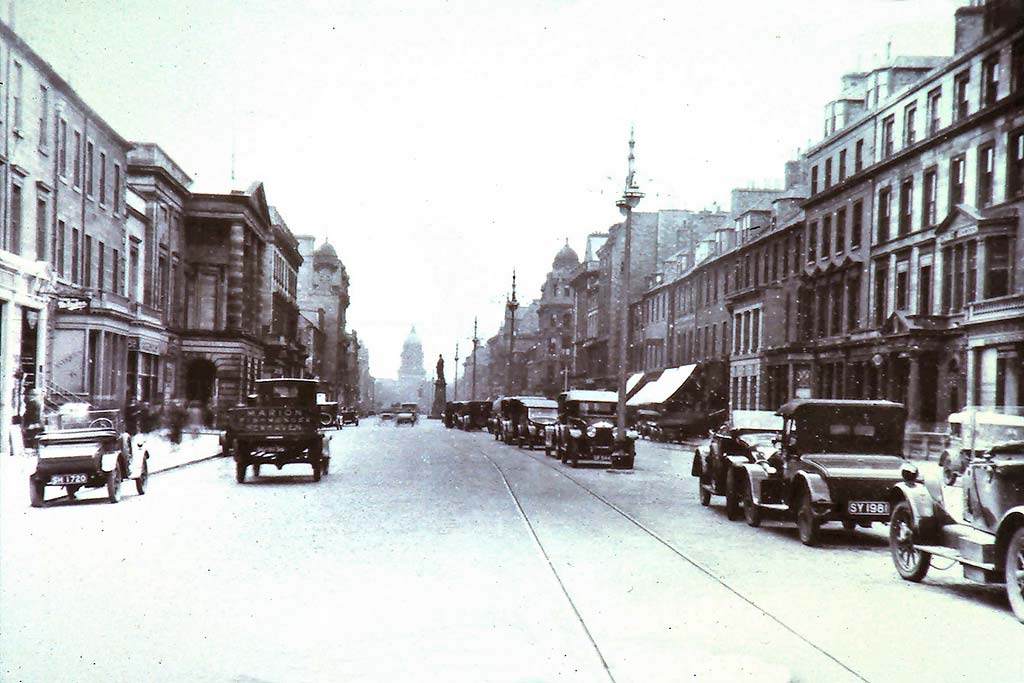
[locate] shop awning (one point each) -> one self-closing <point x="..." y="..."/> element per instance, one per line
<point x="662" y="389"/>
<point x="632" y="381"/>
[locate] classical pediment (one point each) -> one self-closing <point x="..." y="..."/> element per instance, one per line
<point x="964" y="220"/>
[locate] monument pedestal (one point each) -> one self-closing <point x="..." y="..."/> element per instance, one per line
<point x="440" y="398"/>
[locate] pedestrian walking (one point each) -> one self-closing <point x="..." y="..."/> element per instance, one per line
<point x="195" y="418"/>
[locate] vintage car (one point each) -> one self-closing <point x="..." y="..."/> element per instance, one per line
<point x="450" y="415"/>
<point x="494" y="421"/>
<point x="279" y="426"/>
<point x="987" y="539"/>
<point x="645" y="422"/>
<point x="837" y="460"/>
<point x="474" y="415"/>
<point x="585" y="430"/>
<point x="82" y="447"/>
<point x="531" y="417"/>
<point x="328" y="414"/>
<point x="406" y="414"/>
<point x="349" y="416"/>
<point x="748" y="437"/>
<point x="510" y="409"/>
<point x="974" y="431"/>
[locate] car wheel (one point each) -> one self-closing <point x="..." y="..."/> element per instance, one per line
<point x="1015" y="573"/>
<point x="806" y="524"/>
<point x="849" y="524"/>
<point x="36" y="492"/>
<point x="911" y="563"/>
<point x="705" y="495"/>
<point x="143" y="479"/>
<point x="627" y="462"/>
<point x="732" y="495"/>
<point x="317" y="471"/>
<point x="326" y="465"/>
<point x="751" y="512"/>
<point x="114" y="484"/>
<point x="574" y="454"/>
<point x="240" y="472"/>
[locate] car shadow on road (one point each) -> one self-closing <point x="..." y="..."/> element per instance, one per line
<point x="992" y="595"/>
<point x="278" y="479"/>
<point x="77" y="501"/>
<point x="831" y="535"/>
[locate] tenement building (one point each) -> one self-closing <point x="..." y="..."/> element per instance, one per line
<point x="913" y="223"/>
<point x="323" y="292"/>
<point x="551" y="355"/>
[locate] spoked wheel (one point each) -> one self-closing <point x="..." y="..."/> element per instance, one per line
<point x="911" y="563"/>
<point x="143" y="480"/>
<point x="114" y="484"/>
<point x="732" y="496"/>
<point x="36" y="492"/>
<point x="1015" y="573"/>
<point x="751" y="512"/>
<point x="806" y="524"/>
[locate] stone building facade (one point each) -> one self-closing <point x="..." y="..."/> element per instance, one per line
<point x="323" y="290"/>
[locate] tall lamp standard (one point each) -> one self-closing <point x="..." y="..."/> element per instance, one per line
<point x="511" y="304"/>
<point x="456" y="397"/>
<point x="631" y="196"/>
<point x="476" y="342"/>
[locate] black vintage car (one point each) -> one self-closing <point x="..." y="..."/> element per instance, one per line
<point x="988" y="538"/>
<point x="349" y="416"/>
<point x="509" y="420"/>
<point x="450" y="416"/>
<point x="531" y="417"/>
<point x="474" y="415"/>
<point x="837" y="460"/>
<point x="748" y="437"/>
<point x="585" y="430"/>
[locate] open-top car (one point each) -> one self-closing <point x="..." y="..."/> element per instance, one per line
<point x="82" y="447"/>
<point x="280" y="425"/>
<point x="586" y="430"/>
<point x="986" y="538"/>
<point x="748" y="437"/>
<point x="837" y="460"/>
<point x="974" y="431"/>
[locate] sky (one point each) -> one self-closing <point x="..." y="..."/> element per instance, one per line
<point x="440" y="145"/>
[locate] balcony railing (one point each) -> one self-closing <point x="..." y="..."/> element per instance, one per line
<point x="1001" y="307"/>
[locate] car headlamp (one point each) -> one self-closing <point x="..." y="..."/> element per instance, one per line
<point x="591" y="432"/>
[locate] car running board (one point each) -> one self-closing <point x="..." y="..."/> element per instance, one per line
<point x="775" y="507"/>
<point x="951" y="554"/>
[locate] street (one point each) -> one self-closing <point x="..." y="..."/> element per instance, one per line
<point x="437" y="555"/>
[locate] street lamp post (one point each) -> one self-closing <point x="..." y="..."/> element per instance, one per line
<point x="511" y="304"/>
<point x="631" y="196"/>
<point x="476" y="342"/>
<point x="456" y="397"/>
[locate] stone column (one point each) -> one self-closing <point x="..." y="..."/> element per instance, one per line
<point x="913" y="405"/>
<point x="236" y="276"/>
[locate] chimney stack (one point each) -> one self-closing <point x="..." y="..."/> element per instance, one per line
<point x="969" y="29"/>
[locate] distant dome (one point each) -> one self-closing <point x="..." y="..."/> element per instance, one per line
<point x="325" y="257"/>
<point x="325" y="250"/>
<point x="566" y="258"/>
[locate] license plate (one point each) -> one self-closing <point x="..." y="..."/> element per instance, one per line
<point x="63" y="479"/>
<point x="868" y="507"/>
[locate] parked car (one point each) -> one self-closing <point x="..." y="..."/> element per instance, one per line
<point x="450" y="415"/>
<point x="279" y="426"/>
<point x="474" y="415"/>
<point x="750" y="436"/>
<point x="837" y="460"/>
<point x="83" y="447"/>
<point x="974" y="431"/>
<point x="494" y="421"/>
<point x="988" y="542"/>
<point x="646" y="423"/>
<point x="328" y="414"/>
<point x="349" y="416"/>
<point x="585" y="430"/>
<point x="531" y="416"/>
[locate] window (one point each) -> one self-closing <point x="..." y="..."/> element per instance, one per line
<point x="75" y="244"/>
<point x="1015" y="164"/>
<point x="934" y="102"/>
<point x="853" y="303"/>
<point x="972" y="273"/>
<point x="814" y="180"/>
<point x="115" y="272"/>
<point x="798" y="252"/>
<point x="785" y="258"/>
<point x="133" y="271"/>
<point x="826" y="237"/>
<point x="40" y="229"/>
<point x="822" y="319"/>
<point x="44" y="115"/>
<point x="17" y="97"/>
<point x="884" y="214"/>
<point x="961" y="105"/>
<point x="828" y="173"/>
<point x="78" y="159"/>
<point x="881" y="287"/>
<point x="990" y="73"/>
<point x="929" y="203"/>
<point x="841" y="230"/>
<point x="1017" y="66"/>
<point x="812" y="242"/>
<point x="986" y="165"/>
<point x="61" y="247"/>
<point x="101" y="266"/>
<point x="998" y="252"/>
<point x="755" y="330"/>
<point x="888" y="127"/>
<point x="924" y="284"/>
<point x="910" y="125"/>
<point x="117" y="188"/>
<point x="957" y="166"/>
<point x="858" y="156"/>
<point x="103" y="178"/>
<point x="906" y="206"/>
<point x="902" y="283"/>
<point x="835" y="319"/>
<point x="62" y="148"/>
<point x="842" y="165"/>
<point x="857" y="224"/>
<point x="15" y="206"/>
<point x="89" y="169"/>
<point x="87" y="262"/>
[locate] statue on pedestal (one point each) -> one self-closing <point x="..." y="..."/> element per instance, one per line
<point x="440" y="367"/>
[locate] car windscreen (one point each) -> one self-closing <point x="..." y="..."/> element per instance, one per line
<point x="833" y="430"/>
<point x="543" y="413"/>
<point x="759" y="439"/>
<point x="284" y="393"/>
<point x="986" y="436"/>
<point x="596" y="408"/>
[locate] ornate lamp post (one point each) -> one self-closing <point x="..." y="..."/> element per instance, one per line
<point x="511" y="304"/>
<point x="476" y="342"/>
<point x="630" y="198"/>
<point x="456" y="397"/>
